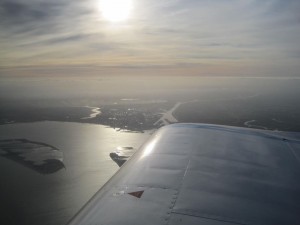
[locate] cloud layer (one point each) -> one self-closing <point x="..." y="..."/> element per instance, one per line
<point x="231" y="35"/>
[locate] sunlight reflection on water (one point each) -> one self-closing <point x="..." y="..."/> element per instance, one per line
<point x="31" y="198"/>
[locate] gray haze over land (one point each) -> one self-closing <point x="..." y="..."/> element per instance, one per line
<point x="266" y="103"/>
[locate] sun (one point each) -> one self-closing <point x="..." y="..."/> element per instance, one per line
<point x="116" y="10"/>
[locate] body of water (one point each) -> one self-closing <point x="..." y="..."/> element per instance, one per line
<point x="29" y="197"/>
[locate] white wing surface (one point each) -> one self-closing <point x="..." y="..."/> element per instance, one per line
<point x="205" y="175"/>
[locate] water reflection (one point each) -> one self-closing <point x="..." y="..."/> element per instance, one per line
<point x="40" y="157"/>
<point x="30" y="198"/>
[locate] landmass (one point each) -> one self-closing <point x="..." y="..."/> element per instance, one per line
<point x="135" y="115"/>
<point x="40" y="157"/>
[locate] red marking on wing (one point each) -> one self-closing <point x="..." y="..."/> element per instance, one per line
<point x="137" y="194"/>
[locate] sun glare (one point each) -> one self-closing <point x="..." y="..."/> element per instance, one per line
<point x="116" y="10"/>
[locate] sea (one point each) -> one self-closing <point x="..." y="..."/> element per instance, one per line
<point x="29" y="197"/>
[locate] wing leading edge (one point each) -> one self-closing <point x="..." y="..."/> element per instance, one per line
<point x="203" y="174"/>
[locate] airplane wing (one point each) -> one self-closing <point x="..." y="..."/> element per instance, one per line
<point x="206" y="175"/>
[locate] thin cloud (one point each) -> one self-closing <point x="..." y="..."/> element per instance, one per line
<point x="170" y="32"/>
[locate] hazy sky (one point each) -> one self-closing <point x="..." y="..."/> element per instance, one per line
<point x="210" y="37"/>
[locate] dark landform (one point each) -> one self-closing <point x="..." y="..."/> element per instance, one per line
<point x="126" y="117"/>
<point x="40" y="157"/>
<point x="121" y="155"/>
<point x="252" y="112"/>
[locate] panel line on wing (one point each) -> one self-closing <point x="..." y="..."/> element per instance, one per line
<point x="210" y="218"/>
<point x="175" y="196"/>
<point x="292" y="151"/>
<point x="186" y="169"/>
